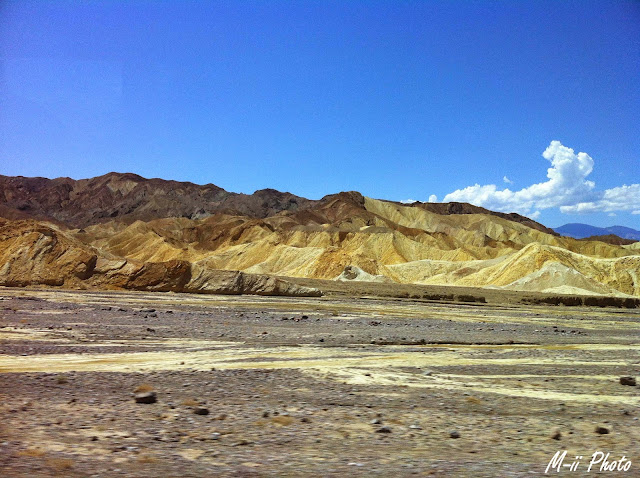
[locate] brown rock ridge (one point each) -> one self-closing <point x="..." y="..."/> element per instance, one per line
<point x="610" y="239"/>
<point x="129" y="197"/>
<point x="465" y="208"/>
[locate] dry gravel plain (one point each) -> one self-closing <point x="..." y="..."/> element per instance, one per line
<point x="333" y="386"/>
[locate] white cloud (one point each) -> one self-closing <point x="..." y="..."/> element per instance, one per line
<point x="621" y="198"/>
<point x="567" y="187"/>
<point x="408" y="201"/>
<point x="636" y="212"/>
<point x="433" y="198"/>
<point x="507" y="180"/>
<point x="612" y="214"/>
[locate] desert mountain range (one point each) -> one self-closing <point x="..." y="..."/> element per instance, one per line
<point x="125" y="231"/>
<point x="583" y="231"/>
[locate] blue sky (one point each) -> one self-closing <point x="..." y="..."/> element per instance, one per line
<point x="398" y="100"/>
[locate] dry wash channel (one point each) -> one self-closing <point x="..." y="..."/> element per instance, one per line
<point x="307" y="386"/>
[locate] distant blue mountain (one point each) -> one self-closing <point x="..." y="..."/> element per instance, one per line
<point x="625" y="232"/>
<point x="580" y="231"/>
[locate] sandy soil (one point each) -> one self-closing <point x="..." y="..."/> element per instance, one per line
<point x="330" y="386"/>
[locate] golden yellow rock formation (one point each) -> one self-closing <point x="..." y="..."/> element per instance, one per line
<point x="404" y="243"/>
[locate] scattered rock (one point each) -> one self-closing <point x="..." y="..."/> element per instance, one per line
<point x="602" y="430"/>
<point x="454" y="434"/>
<point x="147" y="397"/>
<point x="631" y="381"/>
<point x="241" y="443"/>
<point x="557" y="435"/>
<point x="201" y="411"/>
<point x="384" y="429"/>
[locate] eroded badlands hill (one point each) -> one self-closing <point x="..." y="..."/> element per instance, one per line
<point x="33" y="253"/>
<point x="165" y="225"/>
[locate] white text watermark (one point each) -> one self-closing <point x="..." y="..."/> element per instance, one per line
<point x="598" y="461"/>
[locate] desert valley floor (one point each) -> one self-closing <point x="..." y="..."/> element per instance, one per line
<point x="330" y="386"/>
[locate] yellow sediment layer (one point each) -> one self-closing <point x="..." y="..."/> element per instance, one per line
<point x="407" y="244"/>
<point x="350" y="364"/>
<point x="471" y="383"/>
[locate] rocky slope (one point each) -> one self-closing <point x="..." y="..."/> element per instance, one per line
<point x="129" y="197"/>
<point x="164" y="235"/>
<point x="33" y="253"/>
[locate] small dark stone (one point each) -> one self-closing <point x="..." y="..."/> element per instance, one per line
<point x="305" y="420"/>
<point x="147" y="397"/>
<point x="631" y="381"/>
<point x="557" y="435"/>
<point x="602" y="431"/>
<point x="384" y="429"/>
<point x="454" y="434"/>
<point x="201" y="411"/>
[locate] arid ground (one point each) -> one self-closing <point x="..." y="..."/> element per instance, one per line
<point x="330" y="386"/>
